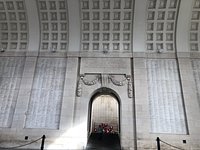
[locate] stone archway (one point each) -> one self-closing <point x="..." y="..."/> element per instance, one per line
<point x="106" y="100"/>
<point x="104" y="120"/>
<point x="105" y="110"/>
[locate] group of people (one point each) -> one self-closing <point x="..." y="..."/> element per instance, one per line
<point x="104" y="128"/>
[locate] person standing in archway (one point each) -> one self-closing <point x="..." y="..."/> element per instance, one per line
<point x="100" y="132"/>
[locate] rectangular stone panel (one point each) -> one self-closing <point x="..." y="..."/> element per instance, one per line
<point x="196" y="74"/>
<point x="105" y="65"/>
<point x="11" y="70"/>
<point x="47" y="92"/>
<point x="165" y="97"/>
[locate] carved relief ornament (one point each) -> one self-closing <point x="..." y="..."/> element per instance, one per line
<point x="104" y="80"/>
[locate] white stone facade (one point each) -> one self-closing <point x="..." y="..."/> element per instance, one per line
<point x="56" y="55"/>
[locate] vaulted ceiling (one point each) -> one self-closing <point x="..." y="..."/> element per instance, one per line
<point x="123" y="26"/>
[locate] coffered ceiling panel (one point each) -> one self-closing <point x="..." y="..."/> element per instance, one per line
<point x="194" y="27"/>
<point x="161" y="25"/>
<point x="53" y="24"/>
<point x="13" y="25"/>
<point x="106" y="25"/>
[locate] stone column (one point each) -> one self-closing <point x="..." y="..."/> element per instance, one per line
<point x="33" y="27"/>
<point x="183" y="26"/>
<point x="139" y="26"/>
<point x="67" y="128"/>
<point x="141" y="102"/>
<point x="190" y="100"/>
<point x="127" y="133"/>
<point x="74" y="25"/>
<point x="69" y="94"/>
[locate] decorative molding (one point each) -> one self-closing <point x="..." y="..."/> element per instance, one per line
<point x="79" y="86"/>
<point x="89" y="83"/>
<point x="127" y="81"/>
<point x="86" y="82"/>
<point x="130" y="86"/>
<point x="116" y="82"/>
<point x="104" y="80"/>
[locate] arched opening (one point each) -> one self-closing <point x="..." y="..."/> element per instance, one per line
<point x="104" y="120"/>
<point x="105" y="114"/>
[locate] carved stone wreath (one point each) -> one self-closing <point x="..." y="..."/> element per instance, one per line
<point x="104" y="80"/>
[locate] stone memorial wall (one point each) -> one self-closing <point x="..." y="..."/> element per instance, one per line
<point x="46" y="96"/>
<point x="11" y="70"/>
<point x="196" y="74"/>
<point x="57" y="55"/>
<point x="165" y="97"/>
